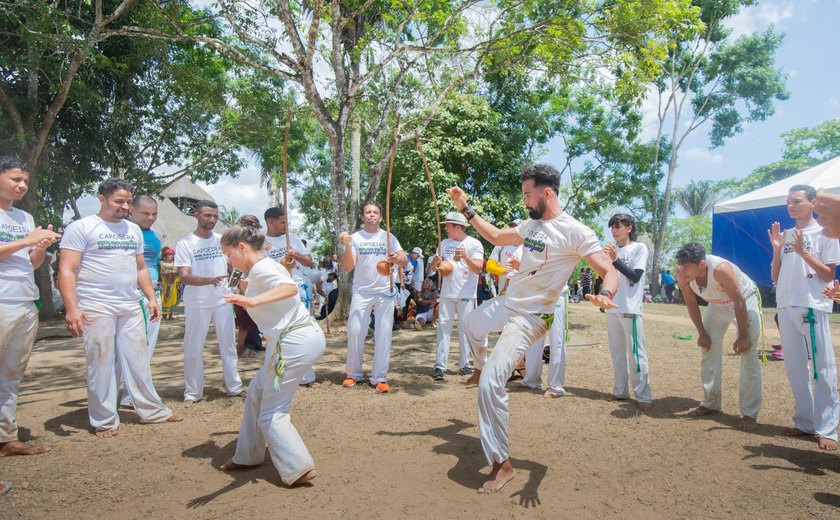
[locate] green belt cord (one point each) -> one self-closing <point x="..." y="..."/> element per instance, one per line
<point x="566" y="319"/>
<point x="811" y="319"/>
<point x="280" y="366"/>
<point x="145" y="321"/>
<point x="548" y="319"/>
<point x="761" y="324"/>
<point x="636" y="345"/>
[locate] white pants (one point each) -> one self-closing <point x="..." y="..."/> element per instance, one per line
<point x="152" y="332"/>
<point x="18" y="328"/>
<point x="626" y="368"/>
<point x="117" y="335"/>
<point x="716" y="321"/>
<point x="557" y="362"/>
<point x="196" y="325"/>
<point x="266" y="420"/>
<point x="488" y="317"/>
<point x="357" y="327"/>
<point x="446" y="317"/>
<point x="519" y="333"/>
<point x="816" y="408"/>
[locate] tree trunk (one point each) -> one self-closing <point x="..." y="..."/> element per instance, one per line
<point x="339" y="219"/>
<point x="356" y="167"/>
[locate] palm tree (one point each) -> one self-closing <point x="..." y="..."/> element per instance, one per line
<point x="698" y="198"/>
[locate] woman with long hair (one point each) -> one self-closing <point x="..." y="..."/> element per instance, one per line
<point x="294" y="344"/>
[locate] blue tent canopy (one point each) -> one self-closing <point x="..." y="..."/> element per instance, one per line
<point x="739" y="225"/>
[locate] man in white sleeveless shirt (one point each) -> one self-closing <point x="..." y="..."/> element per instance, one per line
<point x="732" y="297"/>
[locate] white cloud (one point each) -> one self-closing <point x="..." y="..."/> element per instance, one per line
<point x="701" y="154"/>
<point x="834" y="101"/>
<point x="759" y="17"/>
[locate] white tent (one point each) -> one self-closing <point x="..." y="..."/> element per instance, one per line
<point x="825" y="175"/>
<point x="739" y="225"/>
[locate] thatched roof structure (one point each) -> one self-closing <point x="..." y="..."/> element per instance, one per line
<point x="175" y="207"/>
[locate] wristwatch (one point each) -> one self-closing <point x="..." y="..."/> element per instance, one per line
<point x="607" y="293"/>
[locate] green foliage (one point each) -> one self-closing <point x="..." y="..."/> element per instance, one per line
<point x="698" y="198"/>
<point x="693" y="228"/>
<point x="804" y="148"/>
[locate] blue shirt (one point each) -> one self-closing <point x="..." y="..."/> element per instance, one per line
<point x="151" y="254"/>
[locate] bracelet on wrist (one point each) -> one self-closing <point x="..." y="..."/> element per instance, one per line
<point x="468" y="212"/>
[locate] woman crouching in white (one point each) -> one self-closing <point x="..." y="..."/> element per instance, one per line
<point x="294" y="344"/>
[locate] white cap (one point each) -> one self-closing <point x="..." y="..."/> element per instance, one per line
<point x="454" y="217"/>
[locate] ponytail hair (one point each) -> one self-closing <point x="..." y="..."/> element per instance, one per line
<point x="247" y="230"/>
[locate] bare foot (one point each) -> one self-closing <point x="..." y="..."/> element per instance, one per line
<point x="501" y="474"/>
<point x="233" y="466"/>
<point x="746" y="423"/>
<point x="828" y="444"/>
<point x="613" y="398"/>
<point x="188" y="403"/>
<point x="796" y="432"/>
<point x="473" y="379"/>
<point x="11" y="448"/>
<point x="644" y="407"/>
<point x="551" y="395"/>
<point x="700" y="411"/>
<point x="104" y="434"/>
<point x="174" y="418"/>
<point x="306" y="478"/>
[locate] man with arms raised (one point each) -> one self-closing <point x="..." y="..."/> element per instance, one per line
<point x="100" y="269"/>
<point x="553" y="243"/>
<point x="732" y="297"/>
<point x="22" y="250"/>
<point x="803" y="265"/>
<point x="203" y="269"/>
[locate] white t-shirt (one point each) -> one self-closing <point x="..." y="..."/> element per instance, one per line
<point x="550" y="253"/>
<point x="503" y="255"/>
<point x="278" y="251"/>
<point x="629" y="295"/>
<point x="798" y="284"/>
<point x="108" y="266"/>
<point x="418" y="273"/>
<point x="204" y="258"/>
<point x="462" y="283"/>
<point x="17" y="279"/>
<point x="321" y="275"/>
<point x="368" y="249"/>
<point x="275" y="317"/>
<point x="714" y="292"/>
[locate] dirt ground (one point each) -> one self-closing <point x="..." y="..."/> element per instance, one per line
<point x="415" y="452"/>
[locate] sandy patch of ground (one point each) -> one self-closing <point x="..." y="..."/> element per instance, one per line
<point x="415" y="452"/>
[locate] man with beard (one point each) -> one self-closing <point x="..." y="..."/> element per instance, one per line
<point x="553" y="243"/>
<point x="100" y="270"/>
<point x="22" y="250"/>
<point x="203" y="269"/>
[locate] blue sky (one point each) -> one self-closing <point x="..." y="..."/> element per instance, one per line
<point x="809" y="55"/>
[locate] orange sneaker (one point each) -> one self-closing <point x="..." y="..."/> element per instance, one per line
<point x="348" y="382"/>
<point x="383" y="388"/>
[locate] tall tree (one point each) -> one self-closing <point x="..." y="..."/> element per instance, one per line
<point x="409" y="57"/>
<point x="709" y="80"/>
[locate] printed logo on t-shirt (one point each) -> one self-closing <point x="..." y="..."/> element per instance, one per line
<point x="536" y="241"/>
<point x="207" y="253"/>
<point x="9" y="233"/>
<point x="116" y="241"/>
<point x="788" y="248"/>
<point x="372" y="248"/>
